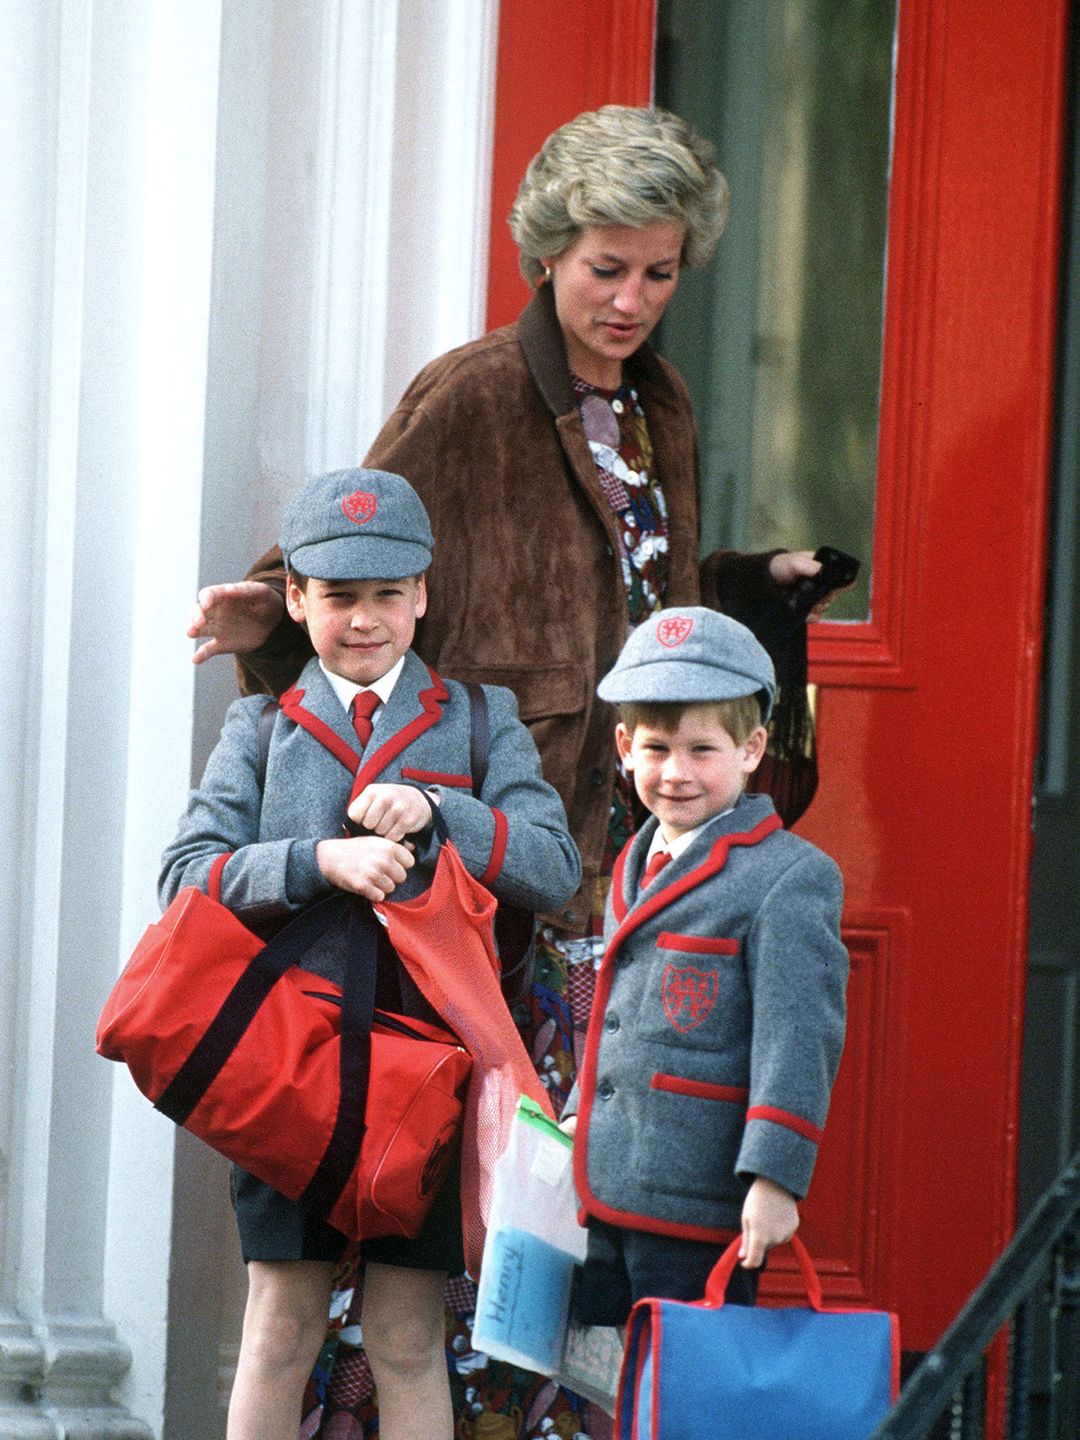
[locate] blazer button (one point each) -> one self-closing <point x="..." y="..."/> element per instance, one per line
<point x="611" y="1023"/>
<point x="605" y="1089"/>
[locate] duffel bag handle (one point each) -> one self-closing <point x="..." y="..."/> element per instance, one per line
<point x="223" y="1034"/>
<point x="357" y="1015"/>
<point x="722" y="1271"/>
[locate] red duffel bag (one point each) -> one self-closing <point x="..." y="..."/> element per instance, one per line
<point x="351" y="1111"/>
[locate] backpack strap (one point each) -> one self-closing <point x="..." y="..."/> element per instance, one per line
<point x="479" y="735"/>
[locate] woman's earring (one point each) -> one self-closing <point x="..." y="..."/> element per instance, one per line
<point x="547" y="272"/>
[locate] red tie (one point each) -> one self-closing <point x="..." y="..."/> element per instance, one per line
<point x="657" y="861"/>
<point x="364" y="705"/>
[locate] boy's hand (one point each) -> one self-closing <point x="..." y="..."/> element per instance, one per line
<point x="769" y="1217"/>
<point x="393" y="811"/>
<point x="365" y="865"/>
<point x="237" y="617"/>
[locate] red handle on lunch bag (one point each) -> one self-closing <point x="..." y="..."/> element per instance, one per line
<point x="722" y="1271"/>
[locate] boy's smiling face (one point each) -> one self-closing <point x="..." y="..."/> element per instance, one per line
<point x="359" y="628"/>
<point x="687" y="775"/>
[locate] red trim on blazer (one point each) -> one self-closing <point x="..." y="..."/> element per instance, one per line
<point x="660" y="895"/>
<point x="790" y="1122"/>
<point x="435" y="777"/>
<point x="430" y="703"/>
<point x="498" y="848"/>
<point x="627" y="1220"/>
<point x="213" y="884"/>
<point x="431" y="707"/>
<point x="327" y="738"/>
<point x="700" y="1089"/>
<point x="644" y="910"/>
<point x="696" y="944"/>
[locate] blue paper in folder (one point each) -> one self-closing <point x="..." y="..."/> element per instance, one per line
<point x="527" y="1298"/>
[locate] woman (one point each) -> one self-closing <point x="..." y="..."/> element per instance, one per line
<point x="557" y="458"/>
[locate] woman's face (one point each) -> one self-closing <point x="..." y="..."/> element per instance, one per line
<point x="611" y="287"/>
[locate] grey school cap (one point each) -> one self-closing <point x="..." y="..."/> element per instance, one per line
<point x="690" y="655"/>
<point x="357" y="525"/>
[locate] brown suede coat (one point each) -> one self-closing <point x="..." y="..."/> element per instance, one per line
<point x="526" y="588"/>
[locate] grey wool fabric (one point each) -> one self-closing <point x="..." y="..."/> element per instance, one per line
<point x="513" y="836"/>
<point x="716" y="1030"/>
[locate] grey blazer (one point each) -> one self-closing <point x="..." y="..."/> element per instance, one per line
<point x="716" y="1030"/>
<point x="513" y="836"/>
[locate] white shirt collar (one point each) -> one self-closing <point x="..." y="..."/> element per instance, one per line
<point x="676" y="847"/>
<point x="347" y="690"/>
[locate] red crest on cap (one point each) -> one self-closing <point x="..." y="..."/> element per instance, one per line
<point x="359" y="507"/>
<point x="689" y="995"/>
<point x="674" y="629"/>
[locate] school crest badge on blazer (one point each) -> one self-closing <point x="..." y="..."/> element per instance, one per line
<point x="689" y="995"/>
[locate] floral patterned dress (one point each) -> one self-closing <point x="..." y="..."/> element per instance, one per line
<point x="494" y="1400"/>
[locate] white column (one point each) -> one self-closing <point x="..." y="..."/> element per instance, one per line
<point x="230" y="231"/>
<point x="113" y="197"/>
<point x="404" y="168"/>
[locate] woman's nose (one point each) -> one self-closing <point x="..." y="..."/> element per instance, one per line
<point x="628" y="297"/>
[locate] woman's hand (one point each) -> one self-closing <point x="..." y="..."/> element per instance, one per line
<point x="787" y="566"/>
<point x="364" y="865"/>
<point x="393" y="811"/>
<point x="770" y="1217"/>
<point x="238" y="617"/>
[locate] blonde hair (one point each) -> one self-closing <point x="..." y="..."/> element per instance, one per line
<point x="619" y="165"/>
<point x="739" y="717"/>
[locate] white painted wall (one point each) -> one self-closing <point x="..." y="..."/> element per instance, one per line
<point x="232" y="229"/>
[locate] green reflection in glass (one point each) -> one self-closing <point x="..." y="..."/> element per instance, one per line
<point x="780" y="338"/>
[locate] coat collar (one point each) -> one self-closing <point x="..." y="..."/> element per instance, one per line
<point x="751" y="820"/>
<point x="541" y="341"/>
<point x="415" y="705"/>
<point x="319" y="698"/>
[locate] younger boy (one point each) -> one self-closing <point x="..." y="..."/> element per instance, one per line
<point x="719" y="1013"/>
<point x="366" y="717"/>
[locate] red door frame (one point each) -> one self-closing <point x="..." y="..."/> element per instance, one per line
<point x="927" y="712"/>
<point x="554" y="61"/>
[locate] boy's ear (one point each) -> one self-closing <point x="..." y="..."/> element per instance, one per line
<point x="754" y="746"/>
<point x="624" y="740"/>
<point x="294" y="601"/>
<point x="421" y="596"/>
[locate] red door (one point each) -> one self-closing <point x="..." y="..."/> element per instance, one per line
<point x="927" y="711"/>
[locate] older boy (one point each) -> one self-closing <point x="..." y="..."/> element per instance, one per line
<point x="719" y="1013"/>
<point x="369" y="739"/>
